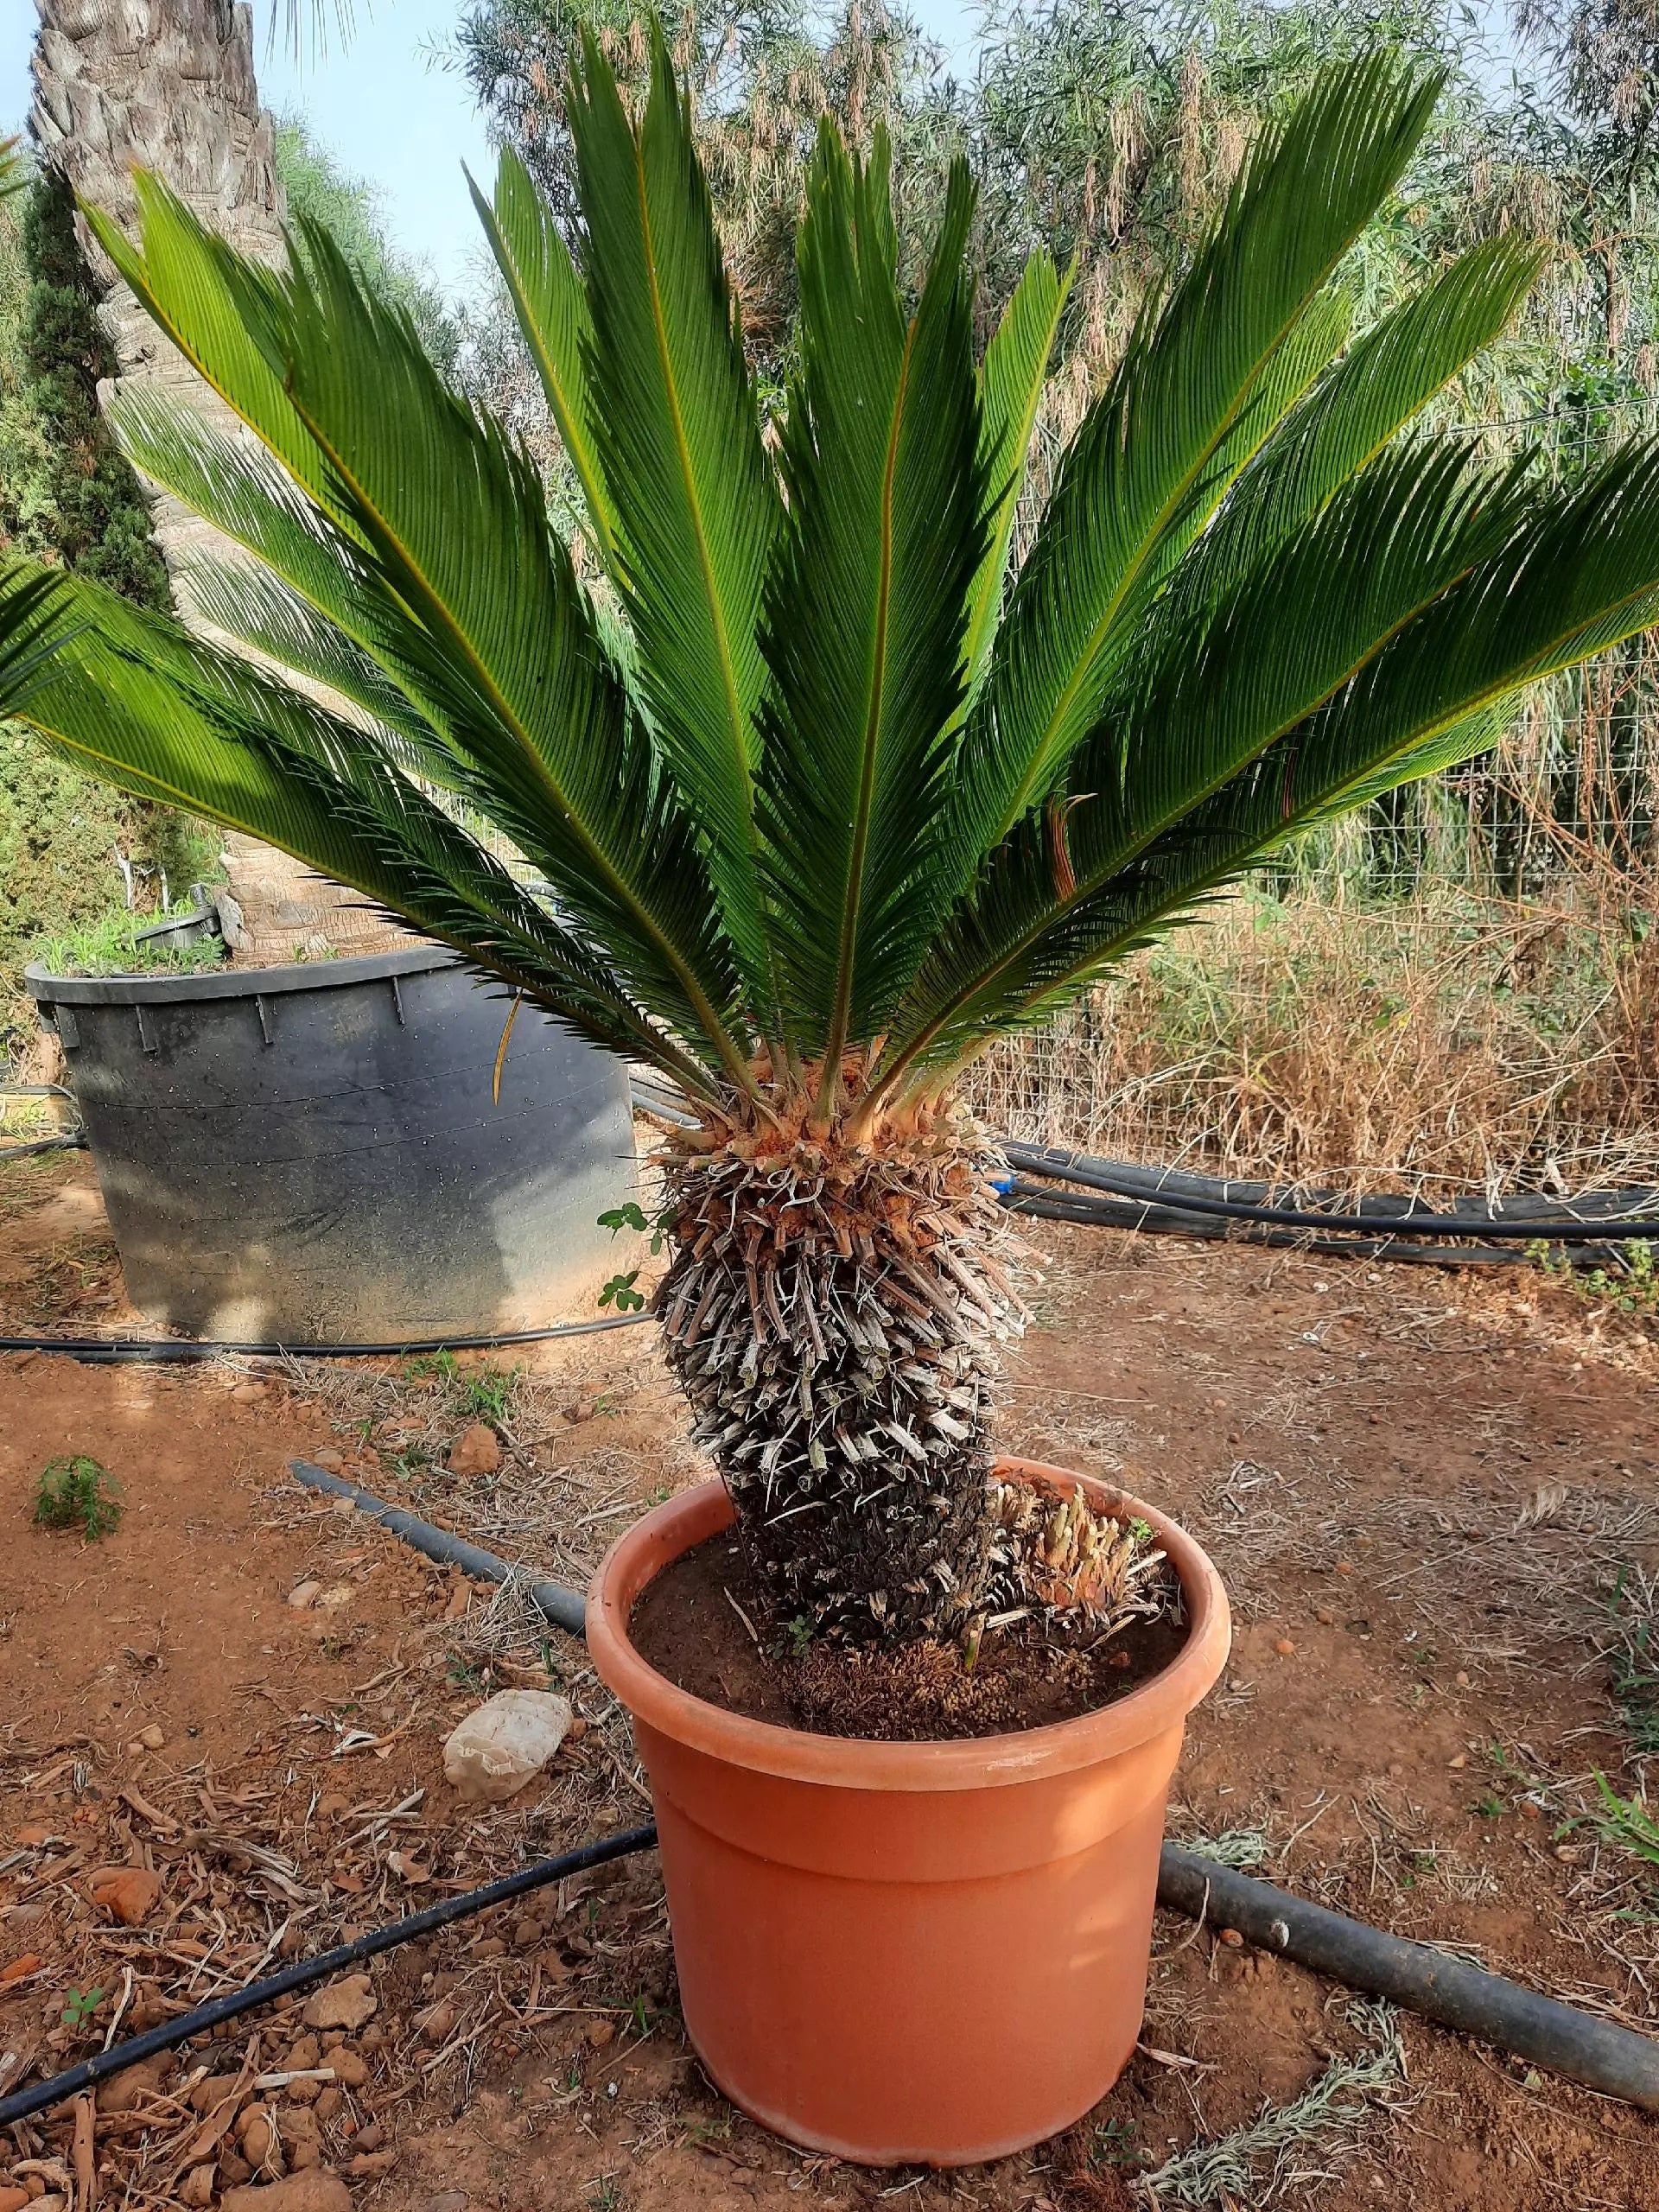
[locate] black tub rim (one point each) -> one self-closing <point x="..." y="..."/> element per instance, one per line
<point x="48" y="989"/>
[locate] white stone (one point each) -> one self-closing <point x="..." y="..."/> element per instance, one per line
<point x="507" y="1741"/>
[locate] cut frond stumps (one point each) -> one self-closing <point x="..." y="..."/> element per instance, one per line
<point x="835" y="1316"/>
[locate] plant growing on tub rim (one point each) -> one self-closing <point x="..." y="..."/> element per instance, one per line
<point x="830" y="797"/>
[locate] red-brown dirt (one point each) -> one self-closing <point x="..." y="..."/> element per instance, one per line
<point x="1420" y="1488"/>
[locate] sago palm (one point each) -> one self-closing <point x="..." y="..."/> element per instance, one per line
<point x="829" y="799"/>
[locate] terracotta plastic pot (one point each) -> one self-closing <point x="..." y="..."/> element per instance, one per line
<point x="908" y="1953"/>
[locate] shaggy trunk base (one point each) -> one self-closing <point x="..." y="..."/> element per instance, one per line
<point x="835" y="1318"/>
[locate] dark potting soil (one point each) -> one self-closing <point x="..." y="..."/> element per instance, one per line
<point x="704" y="1626"/>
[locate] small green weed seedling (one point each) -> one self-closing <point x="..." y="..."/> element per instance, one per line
<point x="1631" y="1287"/>
<point x="483" y="1392"/>
<point x="632" y="1216"/>
<point x="80" y="2005"/>
<point x="1115" y="2145"/>
<point x="1627" y="1822"/>
<point x="486" y="1393"/>
<point x="78" y="1493"/>
<point x="619" y="1291"/>
<point x="433" y="1366"/>
<point x="1633" y="1657"/>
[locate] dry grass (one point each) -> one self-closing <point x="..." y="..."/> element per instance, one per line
<point x="1463" y="1043"/>
<point x="1298" y="2145"/>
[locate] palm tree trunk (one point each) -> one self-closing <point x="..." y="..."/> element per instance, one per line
<point x="836" y="1317"/>
<point x="179" y="97"/>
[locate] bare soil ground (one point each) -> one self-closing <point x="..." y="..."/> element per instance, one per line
<point x="1423" y="1490"/>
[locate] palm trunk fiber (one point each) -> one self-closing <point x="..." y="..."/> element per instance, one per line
<point x="835" y="1318"/>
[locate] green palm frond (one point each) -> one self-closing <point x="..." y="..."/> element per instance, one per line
<point x="308" y="599"/>
<point x="499" y="641"/>
<point x="261" y="611"/>
<point x="1384" y="382"/>
<point x="37" y="619"/>
<point x="551" y="307"/>
<point x="1011" y="383"/>
<point x="1142" y="471"/>
<point x="247" y="494"/>
<point x="218" y="308"/>
<point x="1569" y="579"/>
<point x="826" y="797"/>
<point x="694" y="503"/>
<point x="1204" y="697"/>
<point x="129" y="698"/>
<point x="869" y="602"/>
<point x="14" y="168"/>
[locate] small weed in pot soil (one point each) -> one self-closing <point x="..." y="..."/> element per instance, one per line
<point x="78" y="1493"/>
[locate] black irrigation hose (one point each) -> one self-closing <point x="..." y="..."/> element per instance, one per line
<point x="1555" y="1226"/>
<point x="566" y="1608"/>
<point x="68" y="1141"/>
<point x="304" y="1972"/>
<point x="75" y="1143"/>
<point x="1540" y="2030"/>
<point x="1041" y="1203"/>
<point x="97" y="1351"/>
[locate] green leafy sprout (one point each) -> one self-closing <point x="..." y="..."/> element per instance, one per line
<point x="1632" y="1286"/>
<point x="484" y="1392"/>
<point x="631" y="1216"/>
<point x="78" y="1492"/>
<point x="799" y="1633"/>
<point x="1626" y="1821"/>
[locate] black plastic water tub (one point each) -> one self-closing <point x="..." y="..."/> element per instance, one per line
<point x="312" y="1153"/>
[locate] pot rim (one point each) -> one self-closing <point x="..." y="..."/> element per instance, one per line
<point x="848" y="1762"/>
<point x="167" y="988"/>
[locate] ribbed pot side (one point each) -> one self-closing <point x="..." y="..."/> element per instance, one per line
<point x="930" y="1954"/>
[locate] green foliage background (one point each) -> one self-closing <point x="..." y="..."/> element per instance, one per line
<point x="66" y="493"/>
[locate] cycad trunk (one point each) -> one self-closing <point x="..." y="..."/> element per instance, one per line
<point x="168" y="86"/>
<point x="836" y="1317"/>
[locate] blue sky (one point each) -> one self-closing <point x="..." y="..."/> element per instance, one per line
<point x="390" y="112"/>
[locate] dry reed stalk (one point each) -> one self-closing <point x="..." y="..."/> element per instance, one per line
<point x="1455" y="1041"/>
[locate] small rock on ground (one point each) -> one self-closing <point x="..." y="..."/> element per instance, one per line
<point x="477" y="1451"/>
<point x="342" y="2005"/>
<point x="505" y="1743"/>
<point x="127" y="1892"/>
<point x="315" y="2190"/>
